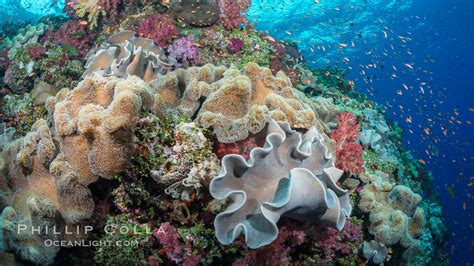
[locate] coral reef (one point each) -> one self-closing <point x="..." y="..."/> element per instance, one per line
<point x="59" y="173"/>
<point x="201" y="141"/>
<point x="291" y="175"/>
<point x="126" y="230"/>
<point x="231" y="13"/>
<point x="94" y="10"/>
<point x="6" y="134"/>
<point x="126" y="55"/>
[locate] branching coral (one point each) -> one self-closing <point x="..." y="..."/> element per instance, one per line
<point x="175" y="251"/>
<point x="291" y="175"/>
<point x="276" y="253"/>
<point x="242" y="147"/>
<point x="331" y="245"/>
<point x="348" y="153"/>
<point x="160" y="28"/>
<point x="126" y="55"/>
<point x="190" y="166"/>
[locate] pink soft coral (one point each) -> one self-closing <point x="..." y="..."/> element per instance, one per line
<point x="161" y="28"/>
<point x="175" y="251"/>
<point x="184" y="51"/>
<point x="74" y="34"/>
<point x="231" y="13"/>
<point x="348" y="153"/>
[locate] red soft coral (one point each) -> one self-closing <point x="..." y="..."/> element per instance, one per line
<point x="348" y="153"/>
<point x="242" y="147"/>
<point x="276" y="253"/>
<point x="74" y="34"/>
<point x="161" y="28"/>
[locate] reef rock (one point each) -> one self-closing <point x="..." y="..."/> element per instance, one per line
<point x="124" y="55"/>
<point x="291" y="175"/>
<point x="198" y="13"/>
<point x="41" y="92"/>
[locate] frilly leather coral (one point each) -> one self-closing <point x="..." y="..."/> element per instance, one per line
<point x="125" y="55"/>
<point x="291" y="175"/>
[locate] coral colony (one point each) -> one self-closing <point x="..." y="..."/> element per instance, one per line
<point x="176" y="127"/>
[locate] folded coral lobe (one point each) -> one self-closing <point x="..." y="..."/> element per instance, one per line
<point x="291" y="175"/>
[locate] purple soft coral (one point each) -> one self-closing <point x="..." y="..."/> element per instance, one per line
<point x="184" y="51"/>
<point x="330" y="243"/>
<point x="169" y="238"/>
<point x="235" y="45"/>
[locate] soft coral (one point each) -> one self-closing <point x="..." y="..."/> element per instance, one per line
<point x="348" y="153"/>
<point x="161" y="28"/>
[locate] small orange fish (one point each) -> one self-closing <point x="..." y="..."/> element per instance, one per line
<point x="269" y="38"/>
<point x="83" y="22"/>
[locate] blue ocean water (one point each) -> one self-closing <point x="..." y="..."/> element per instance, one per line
<point x="29" y="10"/>
<point x="414" y="57"/>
